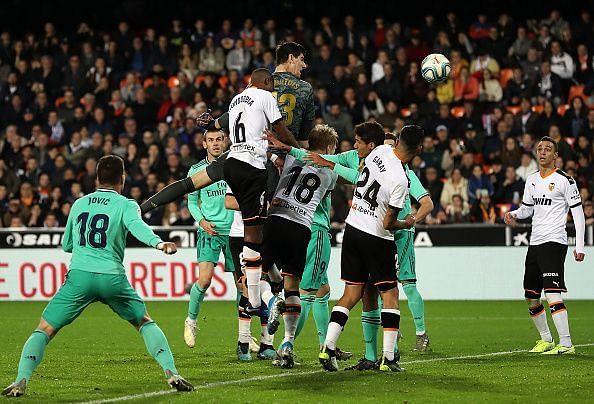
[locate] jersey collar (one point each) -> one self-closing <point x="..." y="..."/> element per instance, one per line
<point x="107" y="190"/>
<point x="548" y="175"/>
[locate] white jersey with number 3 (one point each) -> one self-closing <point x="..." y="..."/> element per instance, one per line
<point x="551" y="197"/>
<point x="382" y="183"/>
<point x="250" y="112"/>
<point x="300" y="190"/>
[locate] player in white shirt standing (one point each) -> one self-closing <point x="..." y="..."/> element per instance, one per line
<point x="549" y="194"/>
<point x="287" y="232"/>
<point x="250" y="113"/>
<point x="368" y="248"/>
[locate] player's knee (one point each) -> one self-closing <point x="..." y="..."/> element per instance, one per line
<point x="291" y="283"/>
<point x="46" y="328"/>
<point x="142" y="321"/>
<point x="533" y="302"/>
<point x="323" y="290"/>
<point x="531" y="295"/>
<point x="204" y="283"/>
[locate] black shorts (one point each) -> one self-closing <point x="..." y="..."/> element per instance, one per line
<point x="236" y="247"/>
<point x="545" y="269"/>
<point x="248" y="185"/>
<point x="366" y="258"/>
<point x="285" y="244"/>
<point x="216" y="169"/>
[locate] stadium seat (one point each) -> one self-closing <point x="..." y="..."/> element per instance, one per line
<point x="514" y="109"/>
<point x="223" y="80"/>
<point x="199" y="79"/>
<point x="562" y="108"/>
<point x="405" y="112"/>
<point x="246" y="79"/>
<point x="457" y="112"/>
<point x="504" y="76"/>
<point x="577" y="91"/>
<point x="537" y="108"/>
<point x="173" y="82"/>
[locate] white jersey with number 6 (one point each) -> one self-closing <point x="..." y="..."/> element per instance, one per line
<point x="300" y="190"/>
<point x="382" y="183"/>
<point x="250" y="112"/>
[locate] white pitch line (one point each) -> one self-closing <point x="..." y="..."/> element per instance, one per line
<point x="287" y="374"/>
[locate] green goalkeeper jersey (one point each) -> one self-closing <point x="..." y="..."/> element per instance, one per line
<point x="346" y="163"/>
<point x="208" y="203"/>
<point x="295" y="100"/>
<point x="97" y="228"/>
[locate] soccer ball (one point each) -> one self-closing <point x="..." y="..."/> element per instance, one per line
<point x="435" y="68"/>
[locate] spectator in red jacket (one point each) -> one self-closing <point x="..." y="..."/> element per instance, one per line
<point x="168" y="107"/>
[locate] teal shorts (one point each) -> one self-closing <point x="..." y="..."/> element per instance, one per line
<point x="82" y="288"/>
<point x="318" y="257"/>
<point x="210" y="247"/>
<point x="405" y="245"/>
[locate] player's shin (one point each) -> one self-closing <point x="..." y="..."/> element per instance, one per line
<point x="291" y="314"/>
<point x="560" y="318"/>
<point x="321" y="317"/>
<point x="253" y="272"/>
<point x="196" y="298"/>
<point x="32" y="354"/>
<point x="265" y="337"/>
<point x="157" y="346"/>
<point x="307" y="301"/>
<point x="391" y="325"/>
<point x="416" y="306"/>
<point x="338" y="319"/>
<point x="539" y="317"/>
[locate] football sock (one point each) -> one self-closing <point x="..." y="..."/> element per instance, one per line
<point x="265" y="338"/>
<point x="371" y="323"/>
<point x="274" y="274"/>
<point x="244" y="322"/>
<point x="253" y="272"/>
<point x="338" y="319"/>
<point x="539" y="317"/>
<point x="291" y="315"/>
<point x="321" y="317"/>
<point x="32" y="354"/>
<point x="157" y="346"/>
<point x="170" y="193"/>
<point x="307" y="302"/>
<point x="416" y="306"/>
<point x="265" y="292"/>
<point x="560" y="318"/>
<point x="390" y="324"/>
<point x="196" y="299"/>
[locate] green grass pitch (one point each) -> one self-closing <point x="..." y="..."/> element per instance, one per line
<point x="100" y="357"/>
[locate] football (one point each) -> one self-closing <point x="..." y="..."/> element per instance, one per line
<point x="435" y="68"/>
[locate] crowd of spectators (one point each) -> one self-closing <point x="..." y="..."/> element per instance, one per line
<point x="68" y="98"/>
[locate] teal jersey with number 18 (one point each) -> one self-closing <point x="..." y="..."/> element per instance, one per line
<point x="97" y="228"/>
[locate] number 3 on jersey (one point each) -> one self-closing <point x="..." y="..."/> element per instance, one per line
<point x="98" y="229"/>
<point x="286" y="103"/>
<point x="370" y="193"/>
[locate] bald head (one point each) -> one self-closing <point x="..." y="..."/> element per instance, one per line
<point x="262" y="78"/>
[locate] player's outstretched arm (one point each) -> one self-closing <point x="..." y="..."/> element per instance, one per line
<point x="170" y="193"/>
<point x="284" y="134"/>
<point x="139" y="229"/>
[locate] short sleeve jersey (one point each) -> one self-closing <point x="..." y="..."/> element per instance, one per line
<point x="551" y="197"/>
<point x="383" y="183"/>
<point x="296" y="101"/>
<point x="250" y="112"/>
<point x="300" y="190"/>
